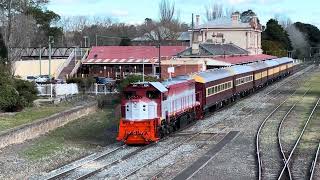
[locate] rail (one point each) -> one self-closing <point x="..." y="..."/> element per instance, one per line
<point x="65" y="64"/>
<point x="77" y="66"/>
<point x="279" y="131"/>
<point x="314" y="162"/>
<point x="298" y="140"/>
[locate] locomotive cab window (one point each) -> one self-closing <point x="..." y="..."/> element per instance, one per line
<point x="129" y="94"/>
<point x="153" y="94"/>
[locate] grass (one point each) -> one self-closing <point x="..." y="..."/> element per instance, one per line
<point x="97" y="129"/>
<point x="29" y="115"/>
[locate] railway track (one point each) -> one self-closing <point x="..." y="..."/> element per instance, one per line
<point x="158" y="174"/>
<point x="100" y="162"/>
<point x="315" y="173"/>
<point x="268" y="158"/>
<point x="279" y="134"/>
<point x="301" y="157"/>
<point x="271" y="158"/>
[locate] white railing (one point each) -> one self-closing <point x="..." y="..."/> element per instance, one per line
<point x="65" y="64"/>
<point x="98" y="89"/>
<point x="45" y="90"/>
<point x="77" y="66"/>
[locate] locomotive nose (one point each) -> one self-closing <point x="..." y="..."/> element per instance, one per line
<point x="140" y="109"/>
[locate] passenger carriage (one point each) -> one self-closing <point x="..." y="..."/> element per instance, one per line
<point x="215" y="87"/>
<point x="260" y="74"/>
<point x="242" y="79"/>
<point x="273" y="70"/>
<point x="286" y="66"/>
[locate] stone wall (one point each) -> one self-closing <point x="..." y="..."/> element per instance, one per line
<point x="42" y="126"/>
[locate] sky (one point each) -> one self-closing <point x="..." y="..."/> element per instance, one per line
<point x="135" y="11"/>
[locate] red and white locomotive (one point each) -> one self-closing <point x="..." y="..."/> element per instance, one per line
<point x="151" y="110"/>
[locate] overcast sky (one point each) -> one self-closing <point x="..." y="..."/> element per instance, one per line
<point x="135" y="11"/>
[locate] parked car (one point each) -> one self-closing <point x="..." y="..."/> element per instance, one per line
<point x="105" y="81"/>
<point x="43" y="79"/>
<point x="31" y="78"/>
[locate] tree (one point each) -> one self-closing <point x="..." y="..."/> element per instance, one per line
<point x="125" y="41"/>
<point x="44" y="21"/>
<point x="275" y="33"/>
<point x="214" y="11"/>
<point x="167" y="11"/>
<point x="3" y="49"/>
<point x="311" y="32"/>
<point x="246" y="16"/>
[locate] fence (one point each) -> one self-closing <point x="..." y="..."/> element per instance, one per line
<point x="98" y="89"/>
<point x="55" y="90"/>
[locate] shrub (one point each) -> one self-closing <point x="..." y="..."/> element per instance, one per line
<point x="133" y="79"/>
<point x="15" y="94"/>
<point x="9" y="99"/>
<point x="27" y="92"/>
<point x="83" y="83"/>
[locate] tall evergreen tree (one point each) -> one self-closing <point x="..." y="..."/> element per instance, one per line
<point x="275" y="40"/>
<point x="275" y="32"/>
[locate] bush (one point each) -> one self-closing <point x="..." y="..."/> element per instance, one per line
<point x="83" y="83"/>
<point x="27" y="92"/>
<point x="15" y="94"/>
<point x="133" y="79"/>
<point x="9" y="99"/>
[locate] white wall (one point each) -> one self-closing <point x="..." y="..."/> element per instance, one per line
<point x="245" y="38"/>
<point x="32" y="67"/>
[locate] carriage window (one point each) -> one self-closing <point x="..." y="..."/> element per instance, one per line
<point x="153" y="94"/>
<point x="129" y="94"/>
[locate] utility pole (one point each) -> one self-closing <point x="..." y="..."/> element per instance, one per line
<point x="159" y="57"/>
<point x="96" y="39"/>
<point x="143" y="70"/>
<point x="85" y="41"/>
<point x="51" y="41"/>
<point x="40" y="53"/>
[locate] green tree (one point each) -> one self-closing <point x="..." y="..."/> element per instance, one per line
<point x="246" y="16"/>
<point x="275" y="39"/>
<point x="312" y="33"/>
<point x="125" y="41"/>
<point x="45" y="19"/>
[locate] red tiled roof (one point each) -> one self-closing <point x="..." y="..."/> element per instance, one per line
<point x="130" y="54"/>
<point x="245" y="59"/>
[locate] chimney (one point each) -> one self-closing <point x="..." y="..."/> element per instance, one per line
<point x="255" y="20"/>
<point x="195" y="49"/>
<point x="197" y="20"/>
<point x="235" y="17"/>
